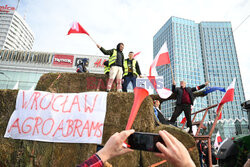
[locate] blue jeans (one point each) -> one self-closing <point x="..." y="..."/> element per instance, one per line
<point x="126" y="81"/>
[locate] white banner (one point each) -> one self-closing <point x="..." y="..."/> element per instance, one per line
<point x="58" y="117"/>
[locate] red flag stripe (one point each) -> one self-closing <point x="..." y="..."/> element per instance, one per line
<point x="163" y="59"/>
<point x="219" y="139"/>
<point x="136" y="54"/>
<point x="229" y="96"/>
<point x="77" y="28"/>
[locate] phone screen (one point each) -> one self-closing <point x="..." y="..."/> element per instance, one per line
<point x="144" y="141"/>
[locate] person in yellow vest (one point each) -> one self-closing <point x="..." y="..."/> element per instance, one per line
<point x="131" y="71"/>
<point x="116" y="65"/>
<point x="106" y="67"/>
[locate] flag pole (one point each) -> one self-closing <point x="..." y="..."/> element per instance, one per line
<point x="171" y="71"/>
<point x="92" y="40"/>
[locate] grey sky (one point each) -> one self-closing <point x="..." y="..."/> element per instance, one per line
<point x="133" y="22"/>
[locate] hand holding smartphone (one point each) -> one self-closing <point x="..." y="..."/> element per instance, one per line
<point x="144" y="141"/>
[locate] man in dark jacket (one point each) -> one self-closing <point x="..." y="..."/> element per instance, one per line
<point x="116" y="65"/>
<point x="158" y="114"/>
<point x="184" y="100"/>
<point x="131" y="71"/>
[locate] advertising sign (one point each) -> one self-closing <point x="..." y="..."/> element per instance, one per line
<point x="6" y="8"/>
<point x="63" y="60"/>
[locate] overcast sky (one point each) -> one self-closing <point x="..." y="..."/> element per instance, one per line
<point x="133" y="22"/>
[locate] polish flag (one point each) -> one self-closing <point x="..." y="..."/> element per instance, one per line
<point x="136" y="54"/>
<point x="161" y="58"/>
<point x="164" y="93"/>
<point x="229" y="96"/>
<point x="77" y="28"/>
<point x="154" y="82"/>
<point x="218" y="140"/>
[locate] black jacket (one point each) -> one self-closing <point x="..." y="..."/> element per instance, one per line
<point x="179" y="92"/>
<point x="160" y="116"/>
<point x="120" y="56"/>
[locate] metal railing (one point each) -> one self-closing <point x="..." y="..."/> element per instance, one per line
<point x="200" y="123"/>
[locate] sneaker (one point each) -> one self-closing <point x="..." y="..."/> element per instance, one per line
<point x="119" y="90"/>
<point x="186" y="130"/>
<point x="108" y="90"/>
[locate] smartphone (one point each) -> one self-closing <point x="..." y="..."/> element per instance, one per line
<point x="144" y="141"/>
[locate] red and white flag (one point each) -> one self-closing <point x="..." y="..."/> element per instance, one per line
<point x="161" y="58"/>
<point x="77" y="28"/>
<point x="164" y="93"/>
<point x="156" y="83"/>
<point x="218" y="140"/>
<point x="229" y="96"/>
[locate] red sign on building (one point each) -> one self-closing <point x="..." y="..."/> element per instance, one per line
<point x="6" y="9"/>
<point x="99" y="63"/>
<point x="63" y="60"/>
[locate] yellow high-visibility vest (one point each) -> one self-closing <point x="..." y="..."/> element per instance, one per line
<point x="133" y="67"/>
<point x="106" y="69"/>
<point x="113" y="58"/>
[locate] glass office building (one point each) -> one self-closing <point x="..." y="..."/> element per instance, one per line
<point x="202" y="52"/>
<point x="182" y="37"/>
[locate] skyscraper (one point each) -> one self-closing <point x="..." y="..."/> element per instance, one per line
<point x="14" y="31"/>
<point x="202" y="52"/>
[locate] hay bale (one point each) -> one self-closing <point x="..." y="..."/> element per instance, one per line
<point x="187" y="140"/>
<point x="71" y="154"/>
<point x="9" y="152"/>
<point x="73" y="82"/>
<point x="118" y="110"/>
<point x="46" y="80"/>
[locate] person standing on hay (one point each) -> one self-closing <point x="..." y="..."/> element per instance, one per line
<point x="184" y="100"/>
<point x="131" y="71"/>
<point x="116" y="65"/>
